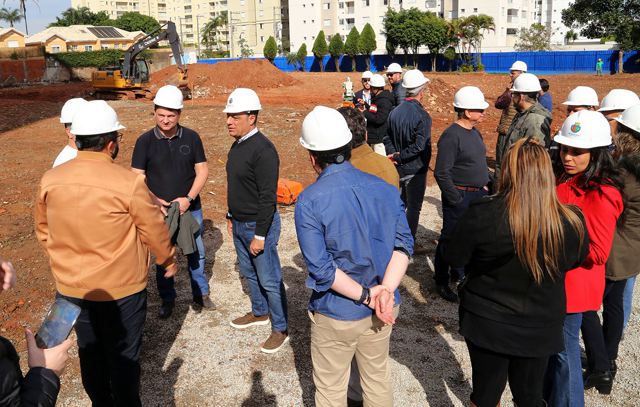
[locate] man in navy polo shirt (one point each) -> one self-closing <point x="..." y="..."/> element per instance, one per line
<point x="173" y="160"/>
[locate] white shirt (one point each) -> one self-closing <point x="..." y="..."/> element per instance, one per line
<point x="246" y="136"/>
<point x="67" y="153"/>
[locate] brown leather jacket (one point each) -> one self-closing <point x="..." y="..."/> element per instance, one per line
<point x="97" y="222"/>
<point x="508" y="111"/>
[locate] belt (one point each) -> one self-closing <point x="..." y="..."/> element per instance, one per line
<point x="467" y="189"/>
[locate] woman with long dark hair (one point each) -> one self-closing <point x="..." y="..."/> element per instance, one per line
<point x="516" y="246"/>
<point x="601" y="342"/>
<point x="588" y="178"/>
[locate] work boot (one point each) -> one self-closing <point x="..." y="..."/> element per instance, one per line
<point x="248" y="320"/>
<point x="166" y="309"/>
<point x="275" y="341"/>
<point x="446" y="293"/>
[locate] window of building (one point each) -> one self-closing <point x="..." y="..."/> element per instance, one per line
<point x="385" y="2"/>
<point x="262" y="38"/>
<point x="13" y="44"/>
<point x="366" y="3"/>
<point x="260" y="25"/>
<point x="327" y="22"/>
<point x="54" y="49"/>
<point x="88" y="47"/>
<point x="512" y="31"/>
<point x="104" y="46"/>
<point x="341" y="5"/>
<point x="327" y="6"/>
<point x="462" y="10"/>
<point x="475" y="9"/>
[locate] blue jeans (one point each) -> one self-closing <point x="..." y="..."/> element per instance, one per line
<point x="262" y="272"/>
<point x="627" y="299"/>
<point x="195" y="260"/>
<point x="563" y="384"/>
<point x="451" y="213"/>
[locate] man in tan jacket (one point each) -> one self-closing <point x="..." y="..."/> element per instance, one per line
<point x="97" y="222"/>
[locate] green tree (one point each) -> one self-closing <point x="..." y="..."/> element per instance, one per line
<point x="22" y="8"/>
<point x="320" y="48"/>
<point x="367" y="43"/>
<point x="351" y="46"/>
<point x="476" y="25"/>
<point x="10" y="16"/>
<point x="406" y="29"/>
<point x="270" y="49"/>
<point x="336" y="49"/>
<point x="535" y="38"/>
<point x="209" y="37"/>
<point x="134" y="21"/>
<point x="570" y="36"/>
<point x="435" y="36"/>
<point x="603" y="18"/>
<point x="81" y="15"/>
<point x="245" y="50"/>
<point x="301" y="55"/>
<point x="450" y="55"/>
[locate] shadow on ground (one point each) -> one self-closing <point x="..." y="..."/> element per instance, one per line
<point x="160" y="372"/>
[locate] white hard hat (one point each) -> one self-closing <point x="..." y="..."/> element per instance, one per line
<point x="366" y="75"/>
<point x="585" y="129"/>
<point x="414" y="79"/>
<point x="70" y="108"/>
<point x="582" y="96"/>
<point x="394" y="68"/>
<point x="526" y="83"/>
<point x="619" y="99"/>
<point x="242" y="100"/>
<point x="469" y="97"/>
<point x="518" y="66"/>
<point x="324" y="129"/>
<point x="93" y="118"/>
<point x="631" y="118"/>
<point x="377" y="81"/>
<point x="169" y="97"/>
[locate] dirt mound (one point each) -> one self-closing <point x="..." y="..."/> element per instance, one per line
<point x="439" y="96"/>
<point x="221" y="78"/>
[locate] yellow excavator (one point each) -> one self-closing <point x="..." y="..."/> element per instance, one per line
<point x="130" y="80"/>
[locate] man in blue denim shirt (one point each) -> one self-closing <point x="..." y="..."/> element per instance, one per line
<point x="354" y="236"/>
<point x="252" y="219"/>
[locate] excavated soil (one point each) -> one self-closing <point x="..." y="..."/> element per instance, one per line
<point x="221" y="78"/>
<point x="195" y="359"/>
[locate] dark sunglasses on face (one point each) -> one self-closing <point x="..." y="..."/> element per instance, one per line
<point x="365" y="80"/>
<point x="390" y="74"/>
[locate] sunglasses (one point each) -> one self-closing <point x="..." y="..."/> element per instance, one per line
<point x="365" y="80"/>
<point x="390" y="74"/>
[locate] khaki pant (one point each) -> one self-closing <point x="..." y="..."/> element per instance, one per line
<point x="334" y="344"/>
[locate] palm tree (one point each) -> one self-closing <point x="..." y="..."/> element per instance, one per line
<point x="10" y="16"/>
<point x="210" y="31"/>
<point x="22" y="7"/>
<point x="478" y="24"/>
<point x="570" y="36"/>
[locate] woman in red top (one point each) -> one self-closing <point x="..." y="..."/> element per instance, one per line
<point x="588" y="179"/>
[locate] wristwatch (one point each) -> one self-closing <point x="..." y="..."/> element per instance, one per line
<point x="190" y="199"/>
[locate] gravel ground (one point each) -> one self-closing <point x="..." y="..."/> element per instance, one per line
<point x="197" y="359"/>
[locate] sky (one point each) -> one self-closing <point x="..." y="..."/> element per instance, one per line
<point x="40" y="13"/>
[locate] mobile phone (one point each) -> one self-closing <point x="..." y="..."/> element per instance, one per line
<point x="57" y="324"/>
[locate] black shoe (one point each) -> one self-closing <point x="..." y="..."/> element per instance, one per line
<point x="446" y="293"/>
<point x="354" y="403"/>
<point x="602" y="381"/>
<point x="166" y="309"/>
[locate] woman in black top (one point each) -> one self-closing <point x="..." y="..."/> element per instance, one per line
<point x="516" y="246"/>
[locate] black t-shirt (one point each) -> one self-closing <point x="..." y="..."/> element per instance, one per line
<point x="169" y="164"/>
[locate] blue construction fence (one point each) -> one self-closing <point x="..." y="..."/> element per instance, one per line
<point x="494" y="62"/>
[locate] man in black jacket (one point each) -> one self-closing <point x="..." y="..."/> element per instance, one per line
<point x="41" y="385"/>
<point x="377" y="114"/>
<point x="408" y="145"/>
<point x="253" y="220"/>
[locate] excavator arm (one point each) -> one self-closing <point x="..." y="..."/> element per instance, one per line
<point x="166" y="32"/>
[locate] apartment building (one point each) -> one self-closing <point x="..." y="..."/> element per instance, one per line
<point x="308" y="17"/>
<point x="250" y="22"/>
